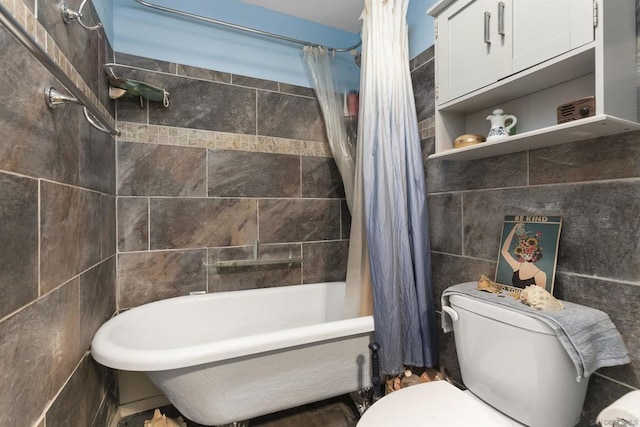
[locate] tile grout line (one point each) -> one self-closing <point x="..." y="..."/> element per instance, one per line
<point x="39" y="238"/>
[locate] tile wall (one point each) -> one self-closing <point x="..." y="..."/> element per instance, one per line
<point x="232" y="160"/>
<point x="57" y="228"/>
<point x="594" y="185"/>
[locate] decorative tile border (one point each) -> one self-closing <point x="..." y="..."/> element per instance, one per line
<point x="426" y="128"/>
<point x="28" y="21"/>
<point x="169" y="135"/>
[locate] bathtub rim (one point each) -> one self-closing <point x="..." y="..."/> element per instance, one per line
<point x="114" y="355"/>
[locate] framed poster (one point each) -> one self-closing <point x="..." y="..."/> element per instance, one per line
<point x="528" y="251"/>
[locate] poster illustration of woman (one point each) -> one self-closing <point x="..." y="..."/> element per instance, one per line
<point x="528" y="251"/>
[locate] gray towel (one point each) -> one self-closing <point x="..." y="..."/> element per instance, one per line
<point x="588" y="335"/>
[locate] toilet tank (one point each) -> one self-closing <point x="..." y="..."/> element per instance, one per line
<point x="516" y="364"/>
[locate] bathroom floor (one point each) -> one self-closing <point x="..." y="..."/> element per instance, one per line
<point x="336" y="412"/>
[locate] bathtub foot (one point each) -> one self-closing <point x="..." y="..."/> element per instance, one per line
<point x="363" y="399"/>
<point x="236" y="424"/>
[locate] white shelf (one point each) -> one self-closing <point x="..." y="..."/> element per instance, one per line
<point x="577" y="130"/>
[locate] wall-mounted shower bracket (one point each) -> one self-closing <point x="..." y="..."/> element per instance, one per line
<point x="69" y="15"/>
<point x="53" y="97"/>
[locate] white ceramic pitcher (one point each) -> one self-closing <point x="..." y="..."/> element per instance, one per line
<point x="499" y="127"/>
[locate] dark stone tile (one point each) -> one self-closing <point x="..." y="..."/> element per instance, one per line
<point x="19" y="249"/>
<point x="321" y="178"/>
<point x="199" y="223"/>
<point x="288" y="116"/>
<point x="160" y="170"/>
<point x="299" y="220"/>
<point x="449" y="270"/>
<point x="97" y="299"/>
<point x="495" y="172"/>
<point x="78" y="45"/>
<point x="146" y="63"/>
<point x="595" y="212"/>
<point x="325" y="261"/>
<point x="98" y="162"/>
<point x="621" y="302"/>
<point x="600" y="394"/>
<point x="70" y="236"/>
<point x="422" y="79"/>
<point x="152" y="276"/>
<point x="296" y="90"/>
<point x="611" y="157"/>
<point x="133" y="224"/>
<point x="423" y="57"/>
<point x="203" y="73"/>
<point x="235" y="174"/>
<point x="30" y="4"/>
<point x="254" y="83"/>
<point x="108" y="226"/>
<point x="130" y="110"/>
<point x="345" y="220"/>
<point x="109" y="408"/>
<point x="428" y="146"/>
<point x="254" y="277"/>
<point x="205" y="105"/>
<point x="445" y="222"/>
<point x="39" y="348"/>
<point x="79" y="401"/>
<point x="36" y="140"/>
<point x="448" y="356"/>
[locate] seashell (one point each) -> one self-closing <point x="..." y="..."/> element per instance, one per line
<point x="538" y="298"/>
<point x="485" y="284"/>
<point x="161" y="420"/>
<point x="409" y="379"/>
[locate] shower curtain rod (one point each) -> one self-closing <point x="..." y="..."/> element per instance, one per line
<point x="247" y="29"/>
<point x="7" y="19"/>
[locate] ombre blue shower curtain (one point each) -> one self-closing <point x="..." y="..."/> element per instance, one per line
<point x="394" y="193"/>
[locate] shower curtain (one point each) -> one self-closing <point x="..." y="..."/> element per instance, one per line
<point x="394" y="193"/>
<point x="318" y="63"/>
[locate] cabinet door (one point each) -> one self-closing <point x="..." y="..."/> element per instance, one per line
<point x="543" y="29"/>
<point x="471" y="54"/>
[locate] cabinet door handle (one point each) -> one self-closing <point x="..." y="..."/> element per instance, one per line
<point x="487" y="35"/>
<point x="501" y="18"/>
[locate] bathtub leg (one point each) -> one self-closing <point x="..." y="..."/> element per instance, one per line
<point x="236" y="424"/>
<point x="363" y="399"/>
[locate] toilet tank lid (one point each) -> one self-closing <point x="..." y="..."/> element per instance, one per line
<point x="500" y="313"/>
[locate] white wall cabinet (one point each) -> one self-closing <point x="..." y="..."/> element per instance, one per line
<point x="528" y="57"/>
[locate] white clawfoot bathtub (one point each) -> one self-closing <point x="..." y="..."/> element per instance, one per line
<point x="231" y="356"/>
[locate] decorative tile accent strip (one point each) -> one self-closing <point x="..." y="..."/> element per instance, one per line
<point x="426" y="128"/>
<point x="168" y="135"/>
<point x="28" y="21"/>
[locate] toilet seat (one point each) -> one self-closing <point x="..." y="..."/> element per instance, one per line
<point x="432" y="404"/>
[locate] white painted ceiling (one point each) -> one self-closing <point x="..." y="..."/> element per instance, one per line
<point x="341" y="14"/>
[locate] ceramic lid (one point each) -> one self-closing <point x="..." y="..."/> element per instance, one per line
<point x="432" y="404"/>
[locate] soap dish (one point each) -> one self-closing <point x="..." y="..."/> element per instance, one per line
<point x="467" y="139"/>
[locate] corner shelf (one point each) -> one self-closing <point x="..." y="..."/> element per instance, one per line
<point x="577" y="130"/>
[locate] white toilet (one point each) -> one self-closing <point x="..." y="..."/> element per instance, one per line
<point x="516" y="371"/>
